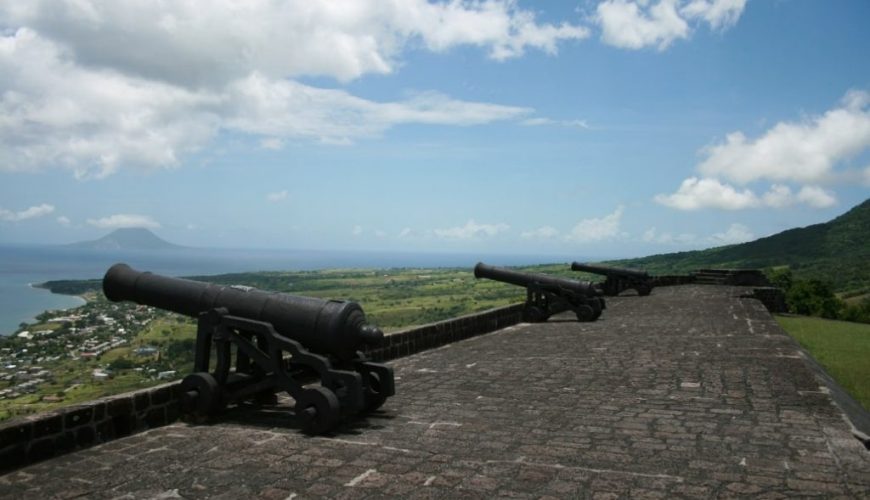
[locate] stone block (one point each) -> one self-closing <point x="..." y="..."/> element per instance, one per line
<point x="141" y="401"/>
<point x="160" y="396"/>
<point x="80" y="416"/>
<point x="19" y="432"/>
<point x="85" y="436"/>
<point x="48" y="425"/>
<point x="120" y="406"/>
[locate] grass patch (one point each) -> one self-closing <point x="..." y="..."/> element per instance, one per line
<point x="842" y="348"/>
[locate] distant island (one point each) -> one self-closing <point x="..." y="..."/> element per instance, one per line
<point x="132" y="238"/>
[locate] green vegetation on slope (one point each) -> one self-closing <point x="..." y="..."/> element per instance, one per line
<point x="836" y="252"/>
<point x="842" y="348"/>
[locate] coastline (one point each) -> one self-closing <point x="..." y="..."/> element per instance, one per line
<point x="31" y="319"/>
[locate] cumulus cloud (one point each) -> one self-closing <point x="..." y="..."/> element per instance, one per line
<point x="695" y="193"/>
<point x="589" y="230"/>
<point x="635" y="24"/>
<point x="28" y="213"/>
<point x="817" y="197"/>
<point x="64" y="221"/>
<point x="406" y="232"/>
<point x="805" y="152"/>
<point x="277" y="196"/>
<point x="219" y="39"/>
<point x="736" y="233"/>
<point x="119" y="221"/>
<point x="541" y="233"/>
<point x="471" y="230"/>
<point x="91" y="86"/>
<point x="356" y="230"/>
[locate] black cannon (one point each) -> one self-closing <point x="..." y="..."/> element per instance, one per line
<point x="281" y="342"/>
<point x="548" y="295"/>
<point x="618" y="279"/>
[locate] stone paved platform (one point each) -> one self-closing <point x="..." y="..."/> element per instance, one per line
<point x="688" y="392"/>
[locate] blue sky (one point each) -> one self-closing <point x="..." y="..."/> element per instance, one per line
<point x="608" y="128"/>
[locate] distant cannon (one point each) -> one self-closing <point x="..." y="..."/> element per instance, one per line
<point x="618" y="279"/>
<point x="279" y="340"/>
<point x="548" y="295"/>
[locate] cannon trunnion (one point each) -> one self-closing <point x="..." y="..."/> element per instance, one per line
<point x="548" y="295"/>
<point x="280" y="342"/>
<point x="618" y="279"/>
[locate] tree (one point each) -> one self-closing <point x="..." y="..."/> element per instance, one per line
<point x="813" y="298"/>
<point x="781" y="277"/>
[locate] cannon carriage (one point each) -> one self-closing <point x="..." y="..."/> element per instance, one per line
<point x="548" y="295"/>
<point x="280" y="342"/>
<point x="617" y="280"/>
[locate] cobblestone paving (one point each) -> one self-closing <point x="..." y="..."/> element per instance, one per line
<point x="689" y="392"/>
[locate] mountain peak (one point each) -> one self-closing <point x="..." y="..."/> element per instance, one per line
<point x="128" y="238"/>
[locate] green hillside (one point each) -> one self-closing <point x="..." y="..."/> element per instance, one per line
<point x="837" y="251"/>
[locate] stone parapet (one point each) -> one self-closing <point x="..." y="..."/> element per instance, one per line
<point x="37" y="437"/>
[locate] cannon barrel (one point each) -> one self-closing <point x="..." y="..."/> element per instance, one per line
<point x="518" y="278"/>
<point x="323" y="326"/>
<point x="609" y="271"/>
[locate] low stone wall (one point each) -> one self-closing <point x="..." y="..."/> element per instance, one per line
<point x="37" y="437"/>
<point x="673" y="280"/>
<point x="33" y="438"/>
<point x="414" y="340"/>
<point x="772" y="297"/>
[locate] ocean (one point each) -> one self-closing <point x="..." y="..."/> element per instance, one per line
<point x="22" y="265"/>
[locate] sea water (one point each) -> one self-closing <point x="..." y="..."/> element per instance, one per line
<point x="21" y="266"/>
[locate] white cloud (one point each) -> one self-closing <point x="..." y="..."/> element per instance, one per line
<point x="90" y="86"/>
<point x="736" y="233"/>
<point x="54" y="112"/>
<point x="778" y="196"/>
<point x="357" y="230"/>
<point x="380" y="233"/>
<point x="119" y="221"/>
<point x="695" y="193"/>
<point x="604" y="228"/>
<point x="29" y="213"/>
<point x="406" y="232"/>
<point x="538" y="122"/>
<point x="635" y="24"/>
<point x="631" y="25"/>
<point x="652" y="235"/>
<point x="272" y="143"/>
<point x="277" y="196"/>
<point x="222" y="39"/>
<point x="64" y="221"/>
<point x="541" y="233"/>
<point x="471" y="230"/>
<point x="717" y="13"/>
<point x="291" y="109"/>
<point x="816" y="197"/>
<point x="804" y="152"/>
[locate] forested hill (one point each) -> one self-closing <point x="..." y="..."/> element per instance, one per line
<point x="837" y="251"/>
